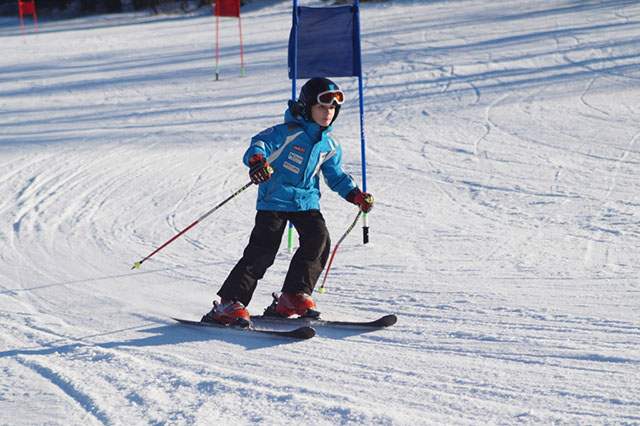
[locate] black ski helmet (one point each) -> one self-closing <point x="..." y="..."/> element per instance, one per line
<point x="309" y="95"/>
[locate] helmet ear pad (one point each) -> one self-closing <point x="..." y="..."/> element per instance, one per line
<point x="295" y="108"/>
<point x="335" y="115"/>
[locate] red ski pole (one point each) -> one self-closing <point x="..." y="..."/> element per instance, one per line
<point x="321" y="289"/>
<point x="137" y="264"/>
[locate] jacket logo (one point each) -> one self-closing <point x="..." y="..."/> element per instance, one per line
<point x="295" y="158"/>
<point x="266" y="132"/>
<point x="291" y="167"/>
<point x="299" y="148"/>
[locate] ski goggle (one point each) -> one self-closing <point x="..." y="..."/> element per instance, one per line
<point x="328" y="97"/>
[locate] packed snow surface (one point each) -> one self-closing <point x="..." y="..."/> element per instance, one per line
<point x="503" y="151"/>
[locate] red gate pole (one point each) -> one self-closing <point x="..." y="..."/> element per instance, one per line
<point x="35" y="20"/>
<point x="241" y="50"/>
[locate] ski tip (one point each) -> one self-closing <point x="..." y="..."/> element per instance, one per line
<point x="388" y="320"/>
<point x="304" y="332"/>
<point x="136" y="265"/>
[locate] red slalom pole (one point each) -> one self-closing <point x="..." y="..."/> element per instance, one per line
<point x="137" y="265"/>
<point x="241" y="49"/>
<point x="335" y="249"/>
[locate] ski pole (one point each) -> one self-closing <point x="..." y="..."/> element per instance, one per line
<point x="137" y="264"/>
<point x="321" y="289"/>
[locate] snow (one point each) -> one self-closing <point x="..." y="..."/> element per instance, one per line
<point x="503" y="149"/>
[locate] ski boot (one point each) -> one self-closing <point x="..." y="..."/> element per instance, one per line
<point x="289" y="304"/>
<point x="228" y="313"/>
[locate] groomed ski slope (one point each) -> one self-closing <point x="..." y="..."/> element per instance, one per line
<point x="504" y="154"/>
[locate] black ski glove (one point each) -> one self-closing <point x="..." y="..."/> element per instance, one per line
<point x="362" y="199"/>
<point x="259" y="171"/>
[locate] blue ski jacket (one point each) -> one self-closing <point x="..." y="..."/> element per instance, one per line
<point x="298" y="151"/>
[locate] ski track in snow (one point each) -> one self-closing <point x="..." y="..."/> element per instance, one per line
<point x="503" y="152"/>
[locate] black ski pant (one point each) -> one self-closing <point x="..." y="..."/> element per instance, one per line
<point x="307" y="263"/>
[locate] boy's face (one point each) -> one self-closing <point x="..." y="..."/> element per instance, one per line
<point x="323" y="114"/>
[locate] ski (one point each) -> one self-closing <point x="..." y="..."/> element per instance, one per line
<point x="272" y="315"/>
<point x="301" y="333"/>
<point x="382" y="322"/>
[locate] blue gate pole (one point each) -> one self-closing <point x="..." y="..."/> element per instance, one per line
<point x="365" y="226"/>
<point x="293" y="93"/>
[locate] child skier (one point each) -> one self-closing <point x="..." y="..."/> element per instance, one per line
<point x="285" y="161"/>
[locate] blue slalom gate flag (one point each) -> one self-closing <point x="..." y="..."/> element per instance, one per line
<point x="324" y="41"/>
